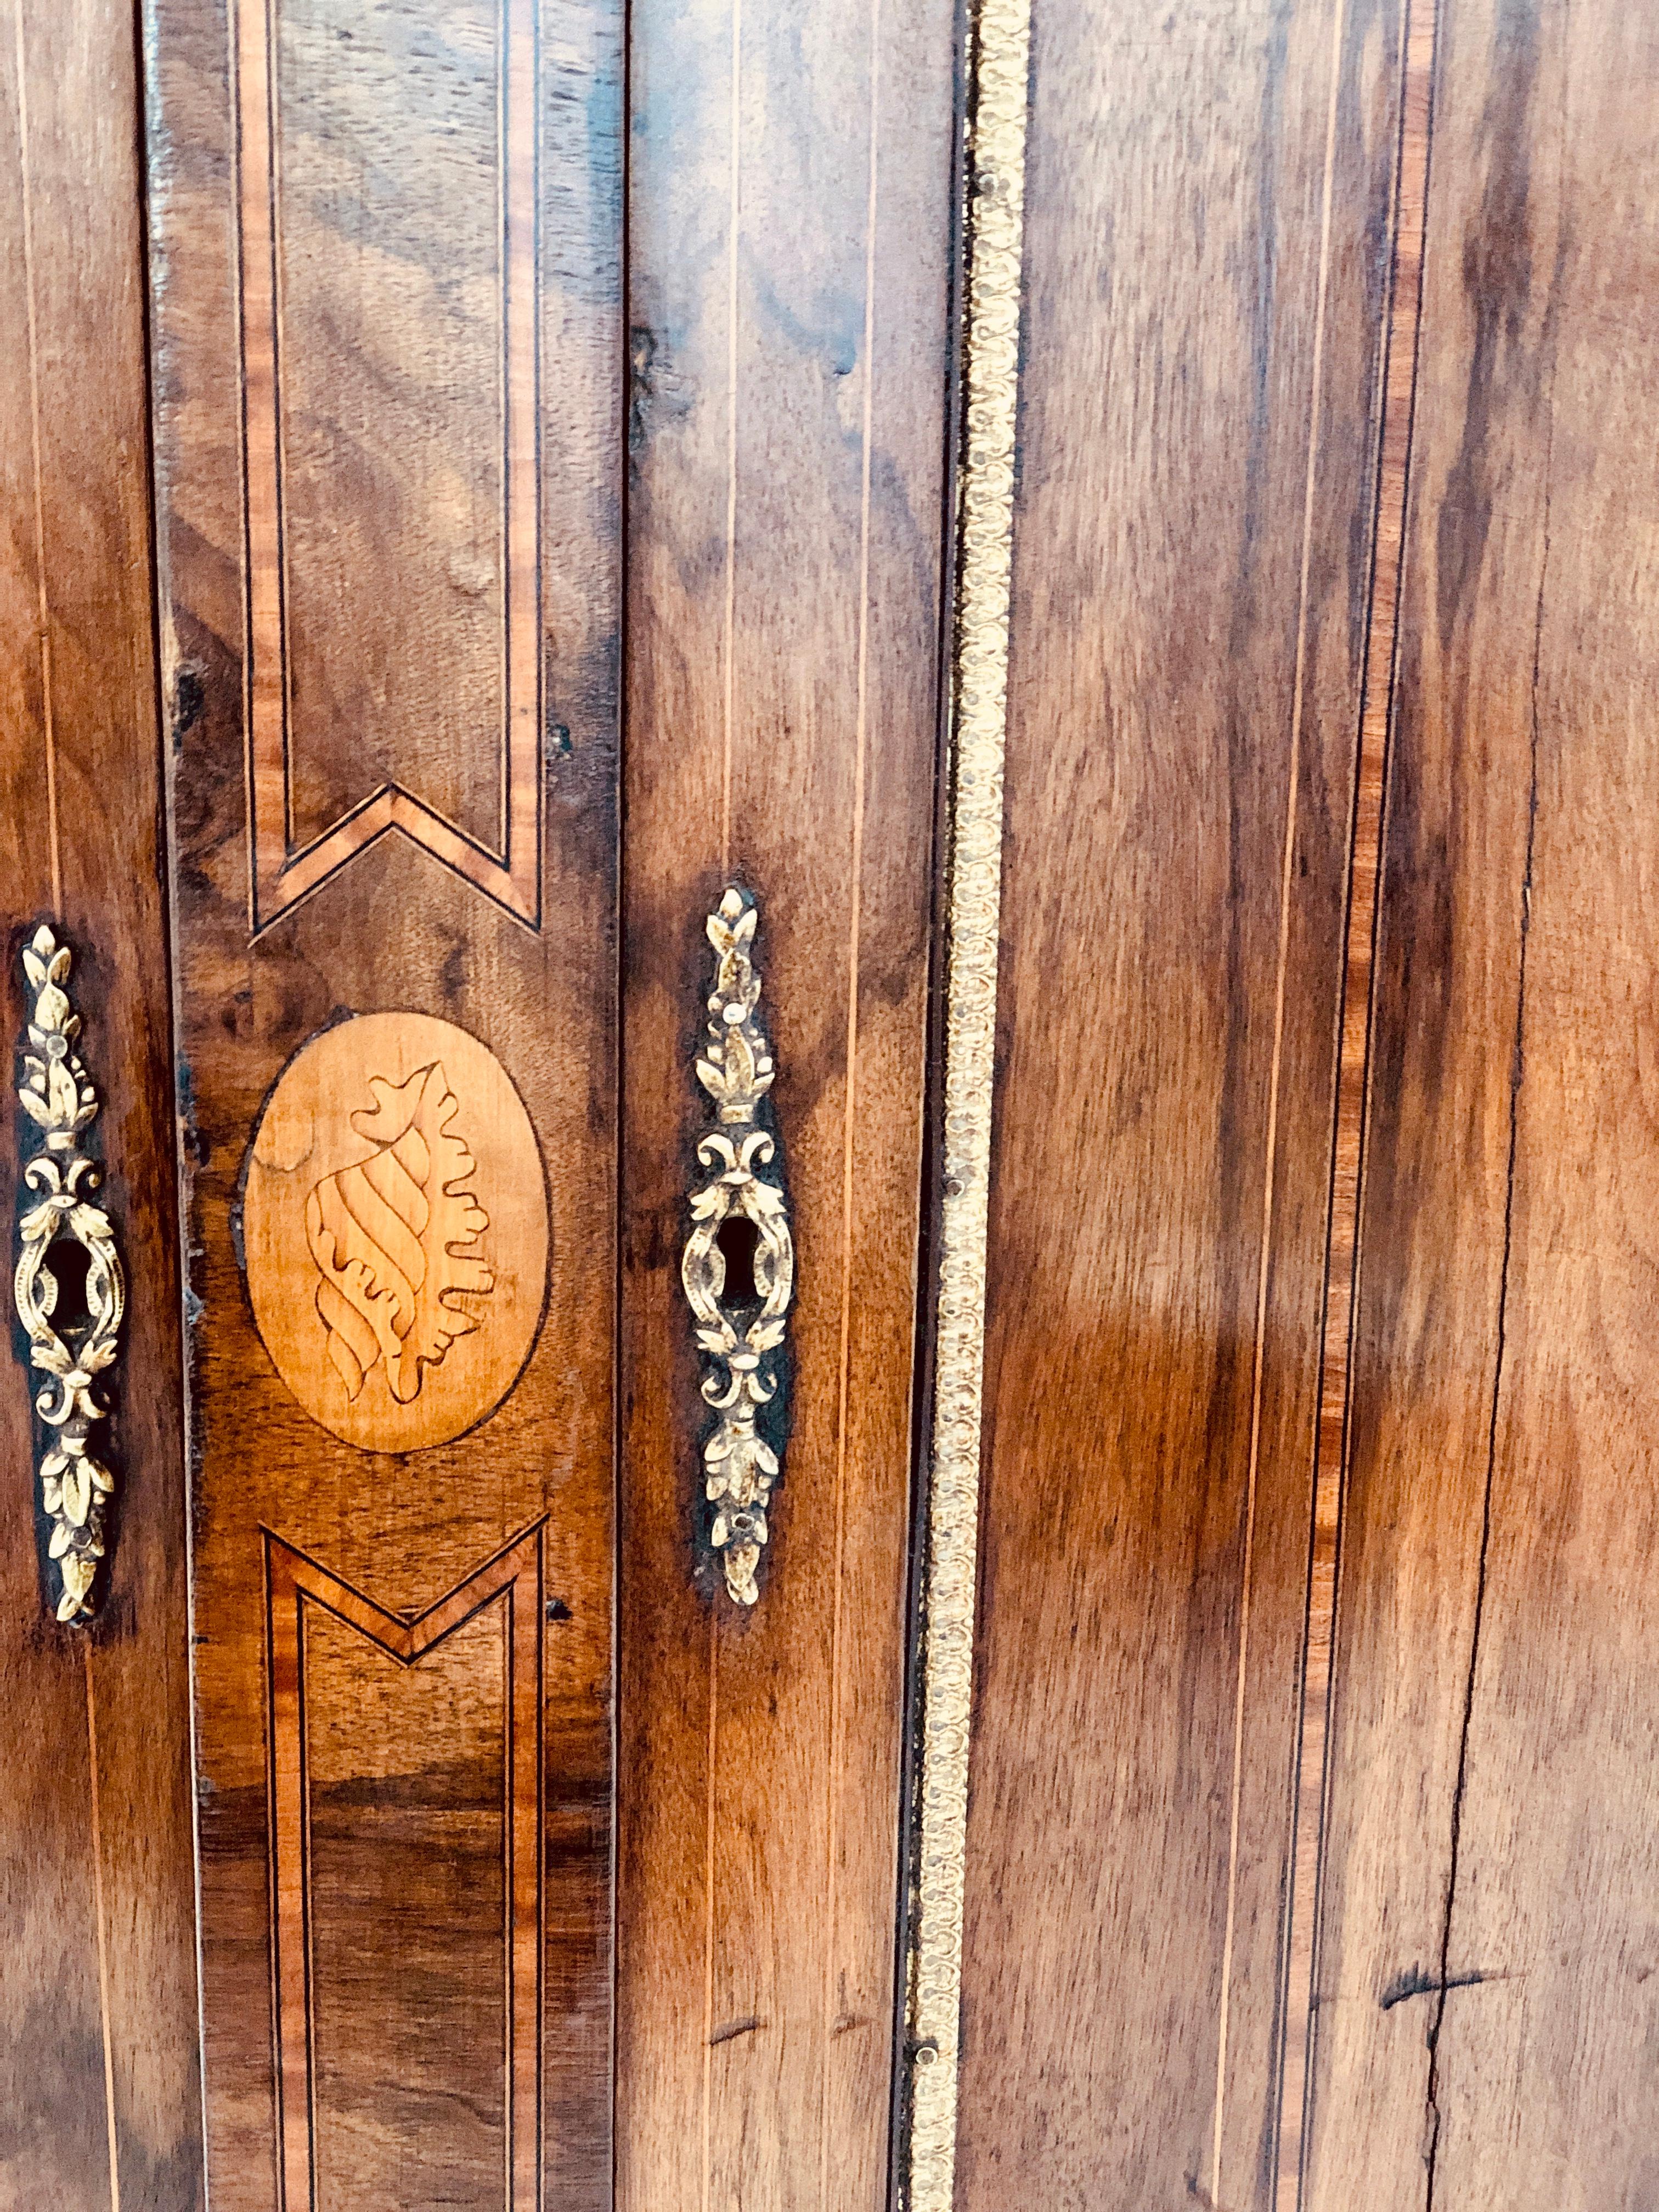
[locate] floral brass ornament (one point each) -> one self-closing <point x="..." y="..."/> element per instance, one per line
<point x="394" y="1229"/>
<point x="57" y="1095"/>
<point x="743" y="1341"/>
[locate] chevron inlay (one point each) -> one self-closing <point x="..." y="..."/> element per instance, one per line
<point x="303" y="1600"/>
<point x="410" y="646"/>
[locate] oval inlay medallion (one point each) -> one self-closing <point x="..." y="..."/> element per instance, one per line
<point x="395" y="1228"/>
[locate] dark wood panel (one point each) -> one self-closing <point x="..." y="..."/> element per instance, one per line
<point x="1209" y="212"/>
<point x="1487" y="1942"/>
<point x="365" y="1846"/>
<point x="100" y="2087"/>
<point x="790" y="204"/>
<point x="395" y="151"/>
<point x="362" y="1390"/>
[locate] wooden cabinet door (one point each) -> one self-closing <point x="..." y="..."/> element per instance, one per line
<point x="1309" y="1858"/>
<point x="387" y="316"/>
<point x="487" y="869"/>
<point x="101" y="2096"/>
<point x="548" y="1824"/>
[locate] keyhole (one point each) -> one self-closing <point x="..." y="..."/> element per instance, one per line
<point x="68" y="1262"/>
<point x="740" y="1242"/>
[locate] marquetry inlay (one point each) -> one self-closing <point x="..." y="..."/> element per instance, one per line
<point x="396" y="1232"/>
<point x="388" y="329"/>
<point x="343" y="1691"/>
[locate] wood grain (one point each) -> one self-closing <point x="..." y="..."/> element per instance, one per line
<point x="395" y="927"/>
<point x="387" y="185"/>
<point x="100" y="2085"/>
<point x="1399" y="363"/>
<point x="1192" y="568"/>
<point x="790" y="191"/>
<point x="1487" y="1935"/>
<point x="463" y="1710"/>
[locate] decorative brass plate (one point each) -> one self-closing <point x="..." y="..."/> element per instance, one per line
<point x="741" y="1335"/>
<point x="395" y="1226"/>
<point x="58" y="1098"/>
<point x="999" y="60"/>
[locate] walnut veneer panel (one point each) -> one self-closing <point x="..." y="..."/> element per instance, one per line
<point x="1209" y="205"/>
<point x="386" y="286"/>
<point x="790" y="187"/>
<point x="1485" y="2000"/>
<point x="99" y="2083"/>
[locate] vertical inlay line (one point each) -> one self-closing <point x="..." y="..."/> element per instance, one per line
<point x="1399" y="385"/>
<point x="712" y="1747"/>
<point x="48" y="722"/>
<point x="1299" y="708"/>
<point x="733" y="219"/>
<point x="734" y="212"/>
<point x="1001" y="49"/>
<point x="849" y="1110"/>
<point x="509" y="1889"/>
<point x="101" y="1917"/>
<point x="519" y="186"/>
<point x="259" y="306"/>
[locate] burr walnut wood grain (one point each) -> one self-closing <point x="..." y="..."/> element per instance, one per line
<point x="100" y="2087"/>
<point x="1192" y="563"/>
<point x="790" y="193"/>
<point x="455" y="201"/>
<point x="1485" y="1999"/>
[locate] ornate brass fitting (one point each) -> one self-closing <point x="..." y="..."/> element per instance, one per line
<point x="57" y="1095"/>
<point x="742" y="1340"/>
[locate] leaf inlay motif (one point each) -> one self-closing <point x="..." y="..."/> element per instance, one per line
<point x="395" y="1238"/>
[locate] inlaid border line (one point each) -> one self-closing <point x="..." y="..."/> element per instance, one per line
<point x="293" y="1581"/>
<point x="999" y="60"/>
<point x="1310" y="1800"/>
<point x="280" y="873"/>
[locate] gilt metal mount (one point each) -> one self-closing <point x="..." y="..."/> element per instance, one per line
<point x="57" y="1095"/>
<point x="742" y="1338"/>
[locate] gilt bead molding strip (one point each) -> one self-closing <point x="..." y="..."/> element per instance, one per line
<point x="57" y="1095"/>
<point x="743" y="1343"/>
<point x="1001" y="45"/>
